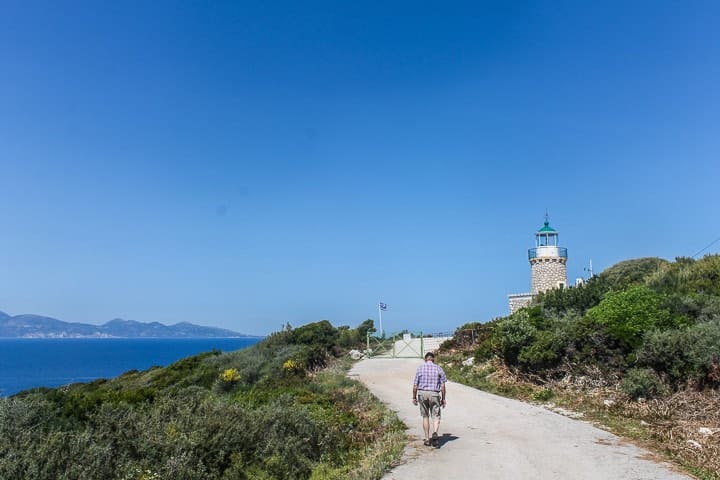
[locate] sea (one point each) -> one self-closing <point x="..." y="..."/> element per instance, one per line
<point x="29" y="363"/>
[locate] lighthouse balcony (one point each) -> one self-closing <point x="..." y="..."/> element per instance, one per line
<point x="547" y="252"/>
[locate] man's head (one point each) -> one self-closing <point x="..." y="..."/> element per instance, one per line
<point x="430" y="356"/>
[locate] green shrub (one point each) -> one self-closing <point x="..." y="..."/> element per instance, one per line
<point x="464" y="336"/>
<point x="543" y="395"/>
<point x="314" y="358"/>
<point x="486" y="350"/>
<point x="513" y="334"/>
<point x="683" y="355"/>
<point x="628" y="314"/>
<point x="354" y="337"/>
<point x="688" y="276"/>
<point x="698" y="306"/>
<point x="558" y="301"/>
<point x="188" y="371"/>
<point x="320" y="333"/>
<point x="480" y="335"/>
<point x="528" y="339"/>
<point x="642" y="383"/>
<point x="632" y="272"/>
<point x="545" y="351"/>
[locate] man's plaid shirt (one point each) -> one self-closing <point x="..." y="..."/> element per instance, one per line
<point x="429" y="376"/>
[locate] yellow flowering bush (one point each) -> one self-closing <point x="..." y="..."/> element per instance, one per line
<point x="139" y="474"/>
<point x="291" y="366"/>
<point x="230" y="375"/>
<point x="150" y="475"/>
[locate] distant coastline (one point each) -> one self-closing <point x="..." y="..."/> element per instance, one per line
<point x="37" y="326"/>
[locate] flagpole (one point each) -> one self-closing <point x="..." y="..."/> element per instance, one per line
<point x="382" y="332"/>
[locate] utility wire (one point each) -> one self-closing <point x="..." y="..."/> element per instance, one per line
<point x="710" y="245"/>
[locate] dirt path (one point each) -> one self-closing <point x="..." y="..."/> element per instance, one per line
<point x="490" y="437"/>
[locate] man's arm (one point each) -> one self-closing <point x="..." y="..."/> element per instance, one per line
<point x="415" y="385"/>
<point x="443" y="380"/>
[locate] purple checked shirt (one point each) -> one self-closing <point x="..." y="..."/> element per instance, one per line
<point x="429" y="376"/>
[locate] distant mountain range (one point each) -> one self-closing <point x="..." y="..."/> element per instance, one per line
<point x="36" y="326"/>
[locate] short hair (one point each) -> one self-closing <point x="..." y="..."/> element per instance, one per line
<point x="429" y="354"/>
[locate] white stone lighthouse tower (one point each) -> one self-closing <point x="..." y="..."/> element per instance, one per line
<point x="548" y="260"/>
<point x="548" y="266"/>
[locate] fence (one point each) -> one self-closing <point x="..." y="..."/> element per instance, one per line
<point x="404" y="344"/>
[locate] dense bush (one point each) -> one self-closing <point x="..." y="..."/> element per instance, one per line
<point x="464" y="336"/>
<point x="628" y="314"/>
<point x="642" y="382"/>
<point x="688" y="276"/>
<point x="529" y="339"/>
<point x="683" y="355"/>
<point x="632" y="272"/>
<point x="544" y="352"/>
<point x="514" y="333"/>
<point x="579" y="299"/>
<point x="354" y="337"/>
<point x="319" y="333"/>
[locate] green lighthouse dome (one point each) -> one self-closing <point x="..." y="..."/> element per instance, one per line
<point x="547" y="228"/>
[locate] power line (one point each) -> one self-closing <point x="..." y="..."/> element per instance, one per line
<point x="710" y="245"/>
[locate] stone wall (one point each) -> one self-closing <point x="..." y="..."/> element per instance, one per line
<point x="519" y="300"/>
<point x="547" y="273"/>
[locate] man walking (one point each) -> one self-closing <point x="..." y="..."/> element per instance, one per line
<point x="429" y="392"/>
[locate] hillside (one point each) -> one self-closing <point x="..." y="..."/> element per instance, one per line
<point x="637" y="345"/>
<point x="37" y="326"/>
<point x="282" y="409"/>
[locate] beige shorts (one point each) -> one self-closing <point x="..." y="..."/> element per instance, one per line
<point x="429" y="403"/>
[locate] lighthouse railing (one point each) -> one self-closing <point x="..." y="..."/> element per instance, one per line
<point x="539" y="252"/>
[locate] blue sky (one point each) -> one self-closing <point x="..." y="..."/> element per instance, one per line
<point x="245" y="165"/>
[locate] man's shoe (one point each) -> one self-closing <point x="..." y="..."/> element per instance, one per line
<point x="435" y="440"/>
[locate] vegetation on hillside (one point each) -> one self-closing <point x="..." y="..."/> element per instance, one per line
<point x="282" y="409"/>
<point x="644" y="315"/>
<point x="644" y="332"/>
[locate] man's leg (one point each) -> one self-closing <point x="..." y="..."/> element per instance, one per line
<point x="436" y="422"/>
<point x="426" y="427"/>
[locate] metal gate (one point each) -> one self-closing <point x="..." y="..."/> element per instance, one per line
<point x="402" y="345"/>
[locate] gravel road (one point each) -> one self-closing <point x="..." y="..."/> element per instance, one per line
<point x="490" y="437"/>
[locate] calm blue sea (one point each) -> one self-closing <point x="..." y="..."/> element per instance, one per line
<point x="28" y="363"/>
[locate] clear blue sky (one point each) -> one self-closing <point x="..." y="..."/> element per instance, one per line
<point x="247" y="164"/>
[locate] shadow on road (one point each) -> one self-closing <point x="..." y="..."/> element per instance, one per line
<point x="445" y="438"/>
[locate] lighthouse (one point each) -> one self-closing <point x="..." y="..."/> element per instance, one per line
<point x="548" y="266"/>
<point x="548" y="260"/>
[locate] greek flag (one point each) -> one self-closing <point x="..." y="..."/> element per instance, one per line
<point x="383" y="306"/>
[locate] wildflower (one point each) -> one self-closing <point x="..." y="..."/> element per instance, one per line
<point x="230" y="375"/>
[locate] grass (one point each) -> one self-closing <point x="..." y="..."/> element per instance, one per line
<point x="378" y="428"/>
